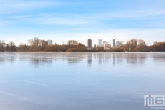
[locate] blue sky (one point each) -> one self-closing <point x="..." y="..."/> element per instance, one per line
<point x="62" y="20"/>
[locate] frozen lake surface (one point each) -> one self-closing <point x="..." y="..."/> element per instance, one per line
<point x="80" y="81"/>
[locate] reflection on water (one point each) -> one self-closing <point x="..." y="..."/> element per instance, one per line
<point x="79" y="81"/>
<point x="40" y="60"/>
<point x="71" y="58"/>
<point x="89" y="58"/>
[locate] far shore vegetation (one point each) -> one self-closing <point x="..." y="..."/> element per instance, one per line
<point x="37" y="45"/>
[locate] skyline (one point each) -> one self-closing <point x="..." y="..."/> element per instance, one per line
<point x="100" y="42"/>
<point x="61" y="20"/>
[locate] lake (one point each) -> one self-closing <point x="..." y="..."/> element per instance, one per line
<point x="80" y="81"/>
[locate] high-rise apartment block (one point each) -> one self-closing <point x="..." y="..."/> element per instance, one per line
<point x="100" y="43"/>
<point x="114" y="43"/>
<point x="89" y="43"/>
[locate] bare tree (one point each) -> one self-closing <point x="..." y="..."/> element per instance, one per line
<point x="141" y="42"/>
<point x="2" y="46"/>
<point x="35" y="44"/>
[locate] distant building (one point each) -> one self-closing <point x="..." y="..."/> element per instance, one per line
<point x="72" y="42"/>
<point x="89" y="43"/>
<point x="119" y="43"/>
<point x="104" y="42"/>
<point x="107" y="46"/>
<point x="50" y="42"/>
<point x="44" y="43"/>
<point x="133" y="42"/>
<point x="100" y="43"/>
<point x="114" y="43"/>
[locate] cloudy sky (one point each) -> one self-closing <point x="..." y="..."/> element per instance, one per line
<point x="62" y="20"/>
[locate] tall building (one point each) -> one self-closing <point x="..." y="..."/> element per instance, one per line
<point x="89" y="43"/>
<point x="100" y="43"/>
<point x="72" y="42"/>
<point x="49" y="42"/>
<point x="114" y="43"/>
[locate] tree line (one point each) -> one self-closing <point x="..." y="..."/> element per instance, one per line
<point x="38" y="45"/>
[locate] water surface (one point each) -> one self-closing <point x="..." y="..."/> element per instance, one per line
<point x="80" y="81"/>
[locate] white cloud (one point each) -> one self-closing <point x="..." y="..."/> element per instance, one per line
<point x="64" y="20"/>
<point x="95" y="18"/>
<point x="15" y="6"/>
<point x="134" y="14"/>
<point x="80" y="26"/>
<point x="71" y="19"/>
